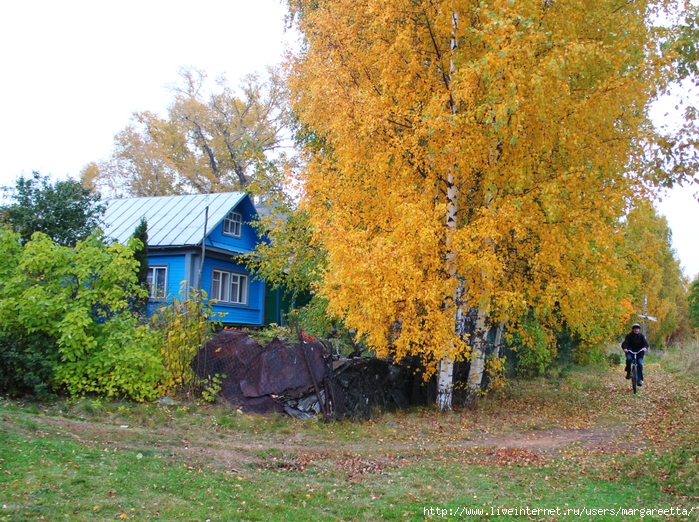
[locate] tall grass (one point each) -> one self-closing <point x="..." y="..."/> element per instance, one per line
<point x="681" y="358"/>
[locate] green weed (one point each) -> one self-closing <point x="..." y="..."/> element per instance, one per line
<point x="682" y="358"/>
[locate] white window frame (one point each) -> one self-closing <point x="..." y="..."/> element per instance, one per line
<point x="229" y="287"/>
<point x="233" y="224"/>
<point x="153" y="279"/>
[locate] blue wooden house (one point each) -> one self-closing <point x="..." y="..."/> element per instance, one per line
<point x="196" y="241"/>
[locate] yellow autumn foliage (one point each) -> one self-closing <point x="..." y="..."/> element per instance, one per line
<point x="539" y="115"/>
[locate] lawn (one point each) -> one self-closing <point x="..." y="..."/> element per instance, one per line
<point x="576" y="440"/>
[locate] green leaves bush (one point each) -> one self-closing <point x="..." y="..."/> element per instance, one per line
<point x="27" y="364"/>
<point x="69" y="308"/>
<point x="186" y="324"/>
<point x="536" y="350"/>
<point x="64" y="210"/>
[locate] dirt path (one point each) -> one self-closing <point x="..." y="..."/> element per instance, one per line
<point x="541" y="423"/>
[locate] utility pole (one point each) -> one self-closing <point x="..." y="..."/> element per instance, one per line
<point x="645" y="315"/>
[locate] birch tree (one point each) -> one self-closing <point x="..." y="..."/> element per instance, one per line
<point x="473" y="155"/>
<point x="653" y="271"/>
<point x="693" y="304"/>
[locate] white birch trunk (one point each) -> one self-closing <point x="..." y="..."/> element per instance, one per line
<point x="445" y="380"/>
<point x="498" y="338"/>
<point x="445" y="384"/>
<point x="479" y="342"/>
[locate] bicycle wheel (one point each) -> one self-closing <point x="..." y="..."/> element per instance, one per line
<point x="634" y="377"/>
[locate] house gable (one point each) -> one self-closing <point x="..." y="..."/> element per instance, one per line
<point x="248" y="237"/>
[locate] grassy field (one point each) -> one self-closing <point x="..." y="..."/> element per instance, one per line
<point x="577" y="440"/>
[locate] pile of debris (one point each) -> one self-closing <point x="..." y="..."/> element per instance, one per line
<point x="303" y="379"/>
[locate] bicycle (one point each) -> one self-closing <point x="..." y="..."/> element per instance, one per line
<point x="634" y="370"/>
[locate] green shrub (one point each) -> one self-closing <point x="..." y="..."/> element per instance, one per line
<point x="535" y="349"/>
<point x="682" y="358"/>
<point x="71" y="306"/>
<point x="121" y="361"/>
<point x="614" y="359"/>
<point x="584" y="355"/>
<point x="212" y="387"/>
<point x="27" y="364"/>
<point x="185" y="325"/>
<point x="264" y="336"/>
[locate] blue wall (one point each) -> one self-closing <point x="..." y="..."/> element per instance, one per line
<point x="175" y="272"/>
<point x="251" y="313"/>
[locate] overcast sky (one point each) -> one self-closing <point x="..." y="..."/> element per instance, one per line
<point x="73" y="71"/>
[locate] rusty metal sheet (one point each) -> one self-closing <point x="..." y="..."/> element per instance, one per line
<point x="282" y="368"/>
<point x="229" y="353"/>
<point x="276" y="378"/>
<point x="255" y="374"/>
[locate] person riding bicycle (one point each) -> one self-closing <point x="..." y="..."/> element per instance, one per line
<point x="635" y="341"/>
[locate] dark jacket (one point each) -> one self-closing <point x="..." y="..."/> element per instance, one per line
<point x="635" y="343"/>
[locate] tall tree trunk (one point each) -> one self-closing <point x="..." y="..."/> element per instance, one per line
<point x="445" y="380"/>
<point x="498" y="339"/>
<point x="479" y="343"/>
<point x="445" y="384"/>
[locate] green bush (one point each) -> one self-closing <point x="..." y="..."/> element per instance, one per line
<point x="118" y="359"/>
<point x="27" y="364"/>
<point x="584" y="355"/>
<point x="185" y="325"/>
<point x="535" y="349"/>
<point x="682" y="358"/>
<point x="71" y="306"/>
<point x="264" y="336"/>
<point x="614" y="359"/>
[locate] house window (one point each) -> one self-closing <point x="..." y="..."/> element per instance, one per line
<point x="229" y="287"/>
<point x="232" y="224"/>
<point x="157" y="281"/>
